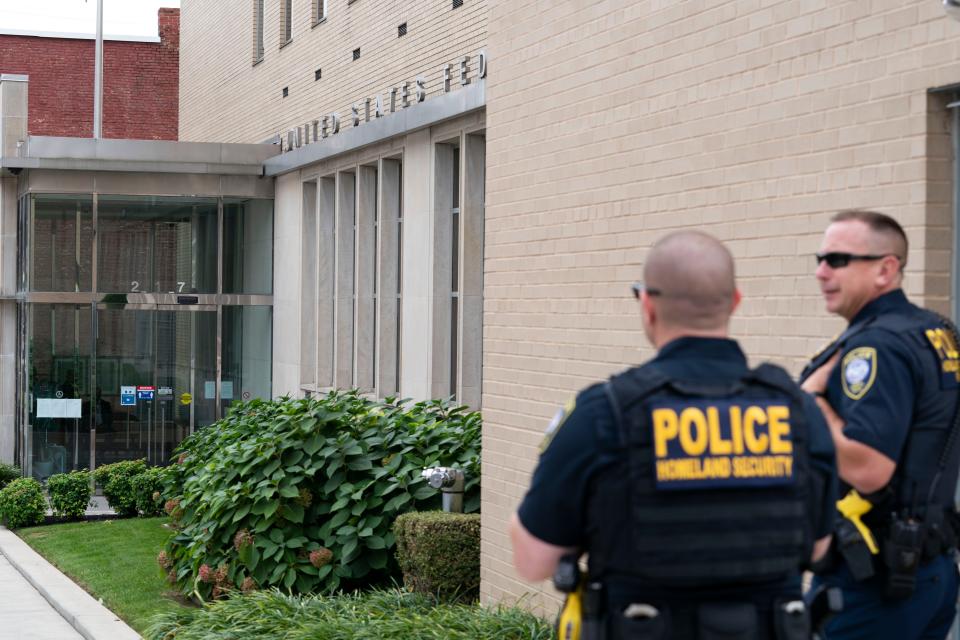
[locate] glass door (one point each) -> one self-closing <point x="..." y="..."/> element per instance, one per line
<point x="154" y="367"/>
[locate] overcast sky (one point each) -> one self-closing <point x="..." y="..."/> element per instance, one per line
<point x="120" y="17"/>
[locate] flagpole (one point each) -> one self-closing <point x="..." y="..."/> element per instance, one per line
<point x="98" y="76"/>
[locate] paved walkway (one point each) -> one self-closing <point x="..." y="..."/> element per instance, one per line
<point x="37" y="602"/>
<point x="25" y="614"/>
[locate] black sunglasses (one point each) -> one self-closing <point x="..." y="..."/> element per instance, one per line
<point x="839" y="259"/>
<point x="639" y="287"/>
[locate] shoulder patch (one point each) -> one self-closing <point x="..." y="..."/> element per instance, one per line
<point x="859" y="371"/>
<point x="556" y="422"/>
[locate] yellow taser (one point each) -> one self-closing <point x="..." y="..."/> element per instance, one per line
<point x="570" y="620"/>
<point x="852" y="507"/>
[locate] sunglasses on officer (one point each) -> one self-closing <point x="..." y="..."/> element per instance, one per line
<point x="638" y="288"/>
<point x="840" y="259"/>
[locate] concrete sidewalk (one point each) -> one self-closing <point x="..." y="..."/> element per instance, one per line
<point x="37" y="602"/>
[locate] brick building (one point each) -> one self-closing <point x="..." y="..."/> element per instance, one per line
<point x="140" y="81"/>
<point x="440" y="230"/>
<point x="600" y="127"/>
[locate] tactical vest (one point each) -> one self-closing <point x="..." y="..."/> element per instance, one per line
<point x="915" y="472"/>
<point x="717" y="480"/>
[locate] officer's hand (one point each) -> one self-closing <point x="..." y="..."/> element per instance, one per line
<point x="817" y="382"/>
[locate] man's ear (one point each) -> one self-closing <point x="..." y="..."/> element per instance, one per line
<point x="889" y="271"/>
<point x="737" y="297"/>
<point x="647" y="308"/>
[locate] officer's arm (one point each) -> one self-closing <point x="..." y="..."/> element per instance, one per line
<point x="534" y="559"/>
<point x="862" y="467"/>
<point x="820" y="548"/>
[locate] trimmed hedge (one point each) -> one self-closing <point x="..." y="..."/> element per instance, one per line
<point x="439" y="553"/>
<point x="302" y="494"/>
<point x="69" y="494"/>
<point x="148" y="488"/>
<point x="22" y="503"/>
<point x="116" y="480"/>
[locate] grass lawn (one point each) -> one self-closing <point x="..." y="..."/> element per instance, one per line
<point x="112" y="559"/>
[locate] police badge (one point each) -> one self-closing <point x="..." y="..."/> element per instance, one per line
<point x="859" y="370"/>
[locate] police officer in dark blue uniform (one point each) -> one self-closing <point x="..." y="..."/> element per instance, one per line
<point x="698" y="488"/>
<point x="888" y="387"/>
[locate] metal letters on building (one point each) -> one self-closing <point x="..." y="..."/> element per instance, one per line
<point x="379" y="105"/>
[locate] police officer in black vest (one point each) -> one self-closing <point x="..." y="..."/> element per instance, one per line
<point x="888" y="387"/>
<point x="698" y="488"/>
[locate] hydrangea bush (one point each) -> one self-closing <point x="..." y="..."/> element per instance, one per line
<point x="302" y="494"/>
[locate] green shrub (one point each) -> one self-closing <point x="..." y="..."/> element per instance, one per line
<point x="69" y="494"/>
<point x="148" y="487"/>
<point x="266" y="615"/>
<point x="439" y="553"/>
<point x="22" y="503"/>
<point x="8" y="473"/>
<point x="116" y="480"/>
<point x="301" y="494"/>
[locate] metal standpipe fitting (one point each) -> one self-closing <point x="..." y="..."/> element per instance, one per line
<point x="450" y="483"/>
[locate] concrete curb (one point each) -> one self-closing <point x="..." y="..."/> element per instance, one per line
<point x="91" y="619"/>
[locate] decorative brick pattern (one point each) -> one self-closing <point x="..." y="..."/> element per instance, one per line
<point x="612" y="123"/>
<point x="140" y="83"/>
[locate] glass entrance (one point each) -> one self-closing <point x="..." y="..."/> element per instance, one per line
<point x="166" y="358"/>
<point x="144" y="319"/>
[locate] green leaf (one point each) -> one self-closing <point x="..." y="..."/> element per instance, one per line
<point x="424" y="492"/>
<point x="360" y="464"/>
<point x="374" y="542"/>
<point x="312" y="445"/>
<point x="290" y="577"/>
<point x="296" y="543"/>
<point x="293" y="512"/>
<point x="396" y="502"/>
<point x="241" y="512"/>
<point x="349" y="550"/>
<point x="289" y="491"/>
<point x="271" y="509"/>
<point x="271" y="467"/>
<point x="339" y="518"/>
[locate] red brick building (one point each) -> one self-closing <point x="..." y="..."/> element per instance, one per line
<point x="140" y="82"/>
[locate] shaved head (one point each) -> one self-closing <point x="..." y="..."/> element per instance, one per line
<point x="885" y="236"/>
<point x="690" y="277"/>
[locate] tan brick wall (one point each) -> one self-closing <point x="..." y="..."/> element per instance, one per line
<point x="613" y="122"/>
<point x="225" y="98"/>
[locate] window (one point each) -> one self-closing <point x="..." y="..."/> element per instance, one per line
<point x="350" y="309"/>
<point x="458" y="269"/>
<point x="319" y="11"/>
<point x="286" y="22"/>
<point x="402" y="30"/>
<point x="257" y="31"/>
<point x="356" y="53"/>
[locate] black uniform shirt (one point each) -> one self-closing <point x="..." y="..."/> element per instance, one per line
<point x="585" y="442"/>
<point x="887" y="382"/>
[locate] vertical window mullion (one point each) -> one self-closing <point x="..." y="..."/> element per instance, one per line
<point x="455" y="273"/>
